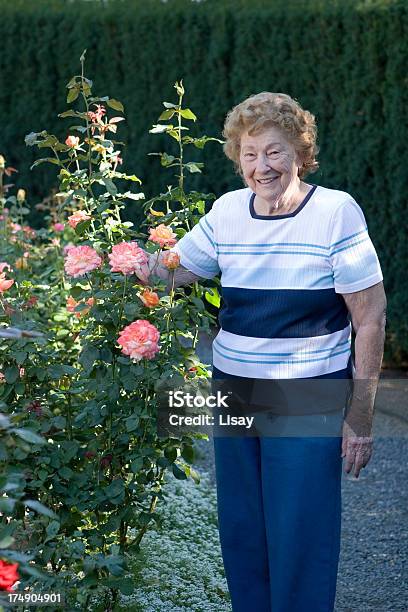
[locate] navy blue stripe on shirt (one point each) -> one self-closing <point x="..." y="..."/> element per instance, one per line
<point x="282" y="313"/>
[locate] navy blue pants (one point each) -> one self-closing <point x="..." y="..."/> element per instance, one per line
<point x="279" y="506"/>
<point x="279" y="513"/>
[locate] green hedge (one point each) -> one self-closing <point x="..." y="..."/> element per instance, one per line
<point x="345" y="61"/>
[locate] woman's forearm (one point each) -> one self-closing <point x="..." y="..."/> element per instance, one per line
<point x="369" y="348"/>
<point x="182" y="276"/>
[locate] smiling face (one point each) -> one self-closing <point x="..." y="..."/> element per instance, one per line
<point x="269" y="163"/>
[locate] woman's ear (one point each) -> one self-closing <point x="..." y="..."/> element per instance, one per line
<point x="298" y="162"/>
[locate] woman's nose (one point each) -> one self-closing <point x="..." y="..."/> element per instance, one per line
<point x="262" y="164"/>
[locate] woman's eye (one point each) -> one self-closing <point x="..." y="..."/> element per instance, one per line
<point x="249" y="156"/>
<point x="273" y="153"/>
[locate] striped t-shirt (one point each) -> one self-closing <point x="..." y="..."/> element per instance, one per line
<point x="282" y="314"/>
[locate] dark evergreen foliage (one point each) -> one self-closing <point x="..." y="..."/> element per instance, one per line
<point x="344" y="60"/>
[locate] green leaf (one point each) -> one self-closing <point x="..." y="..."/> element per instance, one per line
<point x="170" y="454"/>
<point x="73" y="93"/>
<point x="11" y="374"/>
<point x="82" y="226"/>
<point x="59" y="370"/>
<point x="167" y="114"/>
<point x="179" y="473"/>
<point x="72" y="113"/>
<point x="188" y="114"/>
<point x="126" y="586"/>
<point x="88" y="356"/>
<point x="110" y="186"/>
<point x="193" y="167"/>
<point x="65" y="473"/>
<point x="136" y="465"/>
<point x="188" y="453"/>
<point x="43" y="160"/>
<point x="115" y="104"/>
<point x="19" y="388"/>
<point x="200" y="143"/>
<point x="163" y="462"/>
<point x="166" y="159"/>
<point x="52" y="530"/>
<point x="7" y="505"/>
<point x="213" y="297"/>
<point x="29" y="436"/>
<point x="106" y="354"/>
<point x="132" y="423"/>
<point x="20" y="357"/>
<point x="6" y="541"/>
<point x="38" y="507"/>
<point x="115" y="489"/>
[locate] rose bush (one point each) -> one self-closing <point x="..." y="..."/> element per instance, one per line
<point x="89" y="386"/>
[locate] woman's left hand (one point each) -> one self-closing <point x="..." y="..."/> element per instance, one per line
<point x="356" y="450"/>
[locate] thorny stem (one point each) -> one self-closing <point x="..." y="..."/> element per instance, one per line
<point x="88" y="133"/>
<point x="152" y="508"/>
<point x="122" y="303"/>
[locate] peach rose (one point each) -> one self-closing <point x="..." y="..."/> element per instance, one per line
<point x="72" y="141"/>
<point x="149" y="298"/>
<point x="163" y="235"/>
<point x="77" y="217"/>
<point x="171" y="260"/>
<point x="139" y="340"/>
<point x="72" y="304"/>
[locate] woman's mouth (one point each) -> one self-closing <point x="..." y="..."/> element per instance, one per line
<point x="266" y="181"/>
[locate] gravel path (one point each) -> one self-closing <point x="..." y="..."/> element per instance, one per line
<point x="372" y="573"/>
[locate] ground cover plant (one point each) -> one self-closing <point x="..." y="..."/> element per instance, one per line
<point x="86" y="389"/>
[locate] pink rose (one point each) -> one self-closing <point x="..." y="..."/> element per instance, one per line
<point x="139" y="340"/>
<point x="129" y="258"/>
<point x="3" y="266"/>
<point x="67" y="248"/>
<point x="5" y="283"/>
<point x="80" y="260"/>
<point x="163" y="235"/>
<point x="58" y="227"/>
<point x="15" y="227"/>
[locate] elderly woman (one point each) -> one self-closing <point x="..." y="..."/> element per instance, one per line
<point x="296" y="264"/>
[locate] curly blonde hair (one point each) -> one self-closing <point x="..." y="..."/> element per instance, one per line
<point x="279" y="110"/>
